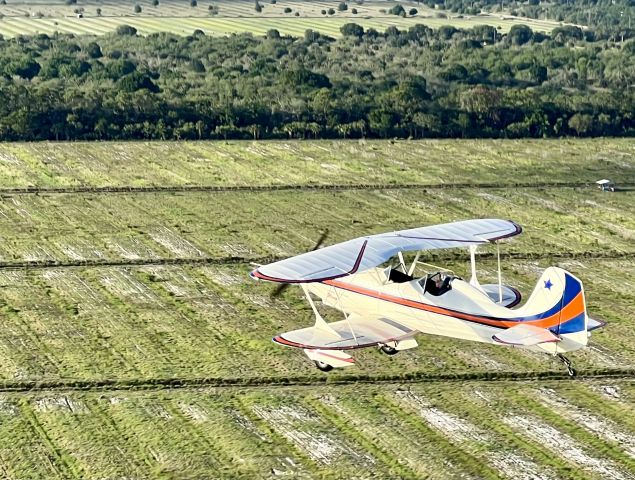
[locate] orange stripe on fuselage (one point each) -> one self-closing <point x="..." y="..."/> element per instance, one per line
<point x="574" y="308"/>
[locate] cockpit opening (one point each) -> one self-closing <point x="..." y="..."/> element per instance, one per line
<point x="436" y="284"/>
<point x="397" y="276"/>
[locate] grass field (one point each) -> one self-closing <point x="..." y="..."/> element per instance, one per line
<point x="134" y="345"/>
<point x="234" y="16"/>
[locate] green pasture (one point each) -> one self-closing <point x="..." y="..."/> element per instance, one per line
<point x="84" y="323"/>
<point x="249" y="163"/>
<point x="389" y="431"/>
<point x="234" y="16"/>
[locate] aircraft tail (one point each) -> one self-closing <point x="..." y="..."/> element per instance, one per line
<point x="557" y="304"/>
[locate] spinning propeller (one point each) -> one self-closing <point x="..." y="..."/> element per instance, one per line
<point x="283" y="286"/>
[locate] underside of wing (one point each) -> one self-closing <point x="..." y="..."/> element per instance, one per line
<point x="356" y="332"/>
<point x="367" y="252"/>
<point x="525" y="335"/>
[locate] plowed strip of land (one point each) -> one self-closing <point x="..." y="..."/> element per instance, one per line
<point x="71" y="385"/>
<point x="291" y="187"/>
<point x="87" y="263"/>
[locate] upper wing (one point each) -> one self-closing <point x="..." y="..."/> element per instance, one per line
<point x="366" y="252"/>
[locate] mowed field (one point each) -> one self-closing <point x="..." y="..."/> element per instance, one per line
<point x="134" y="345"/>
<point x="20" y="17"/>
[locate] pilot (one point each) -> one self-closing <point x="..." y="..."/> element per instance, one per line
<point x="433" y="284"/>
<point x="437" y="285"/>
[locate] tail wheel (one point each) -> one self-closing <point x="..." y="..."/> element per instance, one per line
<point x="389" y="350"/>
<point x="325" y="367"/>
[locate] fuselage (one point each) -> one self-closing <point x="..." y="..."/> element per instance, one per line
<point x="464" y="312"/>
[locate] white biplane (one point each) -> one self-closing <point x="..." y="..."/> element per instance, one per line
<point x="387" y="306"/>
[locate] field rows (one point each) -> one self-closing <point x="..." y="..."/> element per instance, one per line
<point x="134" y="325"/>
<point x="194" y="322"/>
<point x="195" y="225"/>
<point x="294" y="26"/>
<point x="570" y="430"/>
<point x="266" y="163"/>
<point x="234" y="17"/>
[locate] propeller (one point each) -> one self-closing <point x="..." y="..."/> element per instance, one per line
<point x="283" y="286"/>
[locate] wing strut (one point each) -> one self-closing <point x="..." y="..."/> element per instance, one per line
<point x="500" y="277"/>
<point x="319" y="321"/>
<point x="401" y="261"/>
<point x="473" y="280"/>
<point x="414" y="263"/>
<point x="346" y="317"/>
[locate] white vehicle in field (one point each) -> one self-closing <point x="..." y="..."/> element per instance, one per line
<point x="388" y="306"/>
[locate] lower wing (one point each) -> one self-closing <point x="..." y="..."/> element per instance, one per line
<point x="354" y="332"/>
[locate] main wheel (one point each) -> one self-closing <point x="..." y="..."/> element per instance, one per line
<point x="325" y="367"/>
<point x="389" y="350"/>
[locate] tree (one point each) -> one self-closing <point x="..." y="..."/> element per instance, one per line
<point x="24" y="67"/>
<point x="352" y="30"/>
<point x="258" y="7"/>
<point x="155" y="3"/>
<point x="483" y="102"/>
<point x="446" y="32"/>
<point x="287" y="10"/>
<point x="120" y="68"/>
<point x="412" y="12"/>
<point x="581" y="123"/>
<point x="397" y="10"/>
<point x="342" y="6"/>
<point x="272" y="34"/>
<point x="126" y="30"/>
<point x="454" y="73"/>
<point x="311" y="36"/>
<point x="197" y="66"/>
<point x="520" y="34"/>
<point x="137" y="8"/>
<point x="331" y="11"/>
<point x="193" y="3"/>
<point x="354" y="11"/>
<point x="93" y="50"/>
<point x="382" y="122"/>
<point x="538" y="73"/>
<point x="98" y="11"/>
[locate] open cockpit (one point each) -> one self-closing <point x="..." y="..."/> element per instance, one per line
<point x="435" y="284"/>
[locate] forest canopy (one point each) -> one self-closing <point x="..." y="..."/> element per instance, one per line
<point x="416" y="83"/>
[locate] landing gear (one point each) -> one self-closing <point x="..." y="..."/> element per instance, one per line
<point x="567" y="363"/>
<point x="325" y="367"/>
<point x="389" y="350"/>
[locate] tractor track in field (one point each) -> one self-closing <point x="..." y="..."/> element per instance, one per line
<point x="156" y="384"/>
<point x="294" y="187"/>
<point x="220" y="261"/>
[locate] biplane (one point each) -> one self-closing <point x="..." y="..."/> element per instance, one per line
<point x="386" y="305"/>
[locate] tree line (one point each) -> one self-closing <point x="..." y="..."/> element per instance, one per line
<point x="417" y="83"/>
<point x="607" y="19"/>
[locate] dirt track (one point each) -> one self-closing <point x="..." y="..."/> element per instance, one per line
<point x="70" y="385"/>
<point x="295" y="187"/>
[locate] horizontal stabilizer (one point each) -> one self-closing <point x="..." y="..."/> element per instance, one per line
<point x="334" y="358"/>
<point x="523" y="334"/>
<point x="355" y="332"/>
<point x="593" y="324"/>
<point x="510" y="296"/>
